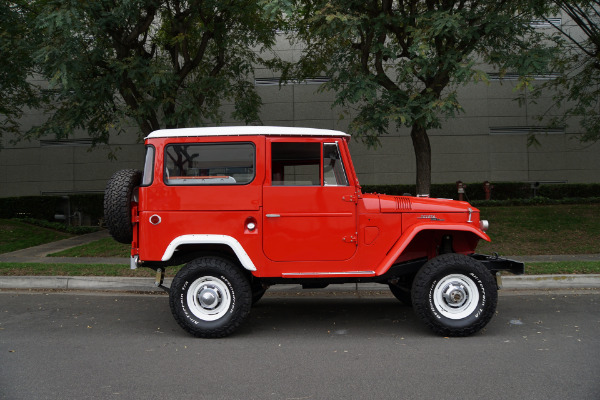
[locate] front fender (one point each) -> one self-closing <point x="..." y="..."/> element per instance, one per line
<point x="410" y="233"/>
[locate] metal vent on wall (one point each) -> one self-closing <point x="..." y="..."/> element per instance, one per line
<point x="524" y="130"/>
<point x="546" y="22"/>
<point x="495" y="76"/>
<point x="275" y="81"/>
<point x="66" y="143"/>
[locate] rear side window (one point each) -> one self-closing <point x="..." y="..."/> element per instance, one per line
<point x="148" y="166"/>
<point x="209" y="164"/>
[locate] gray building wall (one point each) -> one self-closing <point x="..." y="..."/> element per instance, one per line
<point x="487" y="142"/>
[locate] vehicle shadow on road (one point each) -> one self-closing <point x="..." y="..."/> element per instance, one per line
<point x="335" y="316"/>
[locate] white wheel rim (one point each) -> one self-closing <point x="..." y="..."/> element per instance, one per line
<point x="456" y="296"/>
<point x="209" y="298"/>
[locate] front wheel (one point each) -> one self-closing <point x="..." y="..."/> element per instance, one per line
<point x="401" y="293"/>
<point x="454" y="295"/>
<point x="210" y="297"/>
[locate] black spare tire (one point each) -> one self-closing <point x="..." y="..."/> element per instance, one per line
<point x="118" y="196"/>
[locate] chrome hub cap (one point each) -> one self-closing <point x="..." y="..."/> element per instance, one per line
<point x="209" y="298"/>
<point x="456" y="296"/>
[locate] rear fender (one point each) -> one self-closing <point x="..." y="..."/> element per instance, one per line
<point x="229" y="241"/>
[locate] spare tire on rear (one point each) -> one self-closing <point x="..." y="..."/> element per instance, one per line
<point x="117" y="203"/>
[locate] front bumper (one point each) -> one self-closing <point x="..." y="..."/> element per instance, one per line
<point x="496" y="264"/>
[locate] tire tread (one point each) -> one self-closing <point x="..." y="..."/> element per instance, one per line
<point x="422" y="284"/>
<point x="117" y="207"/>
<point x="212" y="265"/>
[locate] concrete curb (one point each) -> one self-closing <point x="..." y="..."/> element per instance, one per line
<point x="99" y="283"/>
<point x="123" y="284"/>
<point x="525" y="282"/>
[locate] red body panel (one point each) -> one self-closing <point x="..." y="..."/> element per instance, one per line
<point x="298" y="231"/>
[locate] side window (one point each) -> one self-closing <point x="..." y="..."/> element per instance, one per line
<point x="148" y="166"/>
<point x="333" y="167"/>
<point x="209" y="164"/>
<point x="295" y="164"/>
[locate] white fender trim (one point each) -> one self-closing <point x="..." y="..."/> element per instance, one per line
<point x="211" y="239"/>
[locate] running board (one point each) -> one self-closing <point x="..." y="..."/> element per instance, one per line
<point x="327" y="274"/>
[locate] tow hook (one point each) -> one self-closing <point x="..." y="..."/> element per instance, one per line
<point x="160" y="278"/>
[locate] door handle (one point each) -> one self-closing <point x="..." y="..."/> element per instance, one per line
<point x="273" y="215"/>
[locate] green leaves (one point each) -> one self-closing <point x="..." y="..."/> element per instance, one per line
<point x="576" y="64"/>
<point x="154" y="63"/>
<point x="399" y="62"/>
<point x="17" y="42"/>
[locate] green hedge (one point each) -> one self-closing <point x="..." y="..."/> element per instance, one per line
<point x="45" y="207"/>
<point x="500" y="190"/>
<point x="536" y="201"/>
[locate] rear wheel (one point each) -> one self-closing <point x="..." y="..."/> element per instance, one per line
<point x="258" y="290"/>
<point x="454" y="295"/>
<point x="210" y="297"/>
<point x="118" y="196"/>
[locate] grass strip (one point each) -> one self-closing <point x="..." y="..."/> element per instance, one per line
<point x="40" y="269"/>
<point x="106" y="247"/>
<point x="558" y="229"/>
<point x="562" y="267"/>
<point x="17" y="235"/>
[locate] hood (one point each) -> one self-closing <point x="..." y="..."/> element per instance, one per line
<point x="393" y="204"/>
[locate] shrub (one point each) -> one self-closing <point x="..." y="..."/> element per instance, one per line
<point x="500" y="190"/>
<point x="46" y="207"/>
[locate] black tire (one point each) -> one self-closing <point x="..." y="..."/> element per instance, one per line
<point x="455" y="295"/>
<point x="402" y="294"/>
<point x="258" y="290"/>
<point x="210" y="297"/>
<point x="117" y="203"/>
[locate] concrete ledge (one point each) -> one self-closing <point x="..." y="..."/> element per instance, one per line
<point x="551" y="281"/>
<point x="123" y="284"/>
<point x="81" y="283"/>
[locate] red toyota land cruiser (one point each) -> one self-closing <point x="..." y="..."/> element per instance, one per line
<point x="249" y="207"/>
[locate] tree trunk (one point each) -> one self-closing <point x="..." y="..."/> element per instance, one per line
<point x="422" y="149"/>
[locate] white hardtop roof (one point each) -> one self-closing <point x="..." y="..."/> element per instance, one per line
<point x="244" y="131"/>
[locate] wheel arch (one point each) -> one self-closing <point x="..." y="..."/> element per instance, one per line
<point x="227" y="245"/>
<point x="412" y="237"/>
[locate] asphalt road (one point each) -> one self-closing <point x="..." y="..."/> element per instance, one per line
<point x="111" y="346"/>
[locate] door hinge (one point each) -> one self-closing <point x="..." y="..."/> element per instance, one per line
<point x="135" y="217"/>
<point x="351" y="198"/>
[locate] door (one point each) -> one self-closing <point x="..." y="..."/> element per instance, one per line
<point x="309" y="208"/>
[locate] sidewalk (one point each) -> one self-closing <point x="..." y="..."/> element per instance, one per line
<point x="38" y="254"/>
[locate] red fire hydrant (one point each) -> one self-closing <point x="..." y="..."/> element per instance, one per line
<point x="460" y="187"/>
<point x="487" y="188"/>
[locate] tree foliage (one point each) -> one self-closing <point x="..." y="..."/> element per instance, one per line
<point x="577" y="87"/>
<point x="151" y="63"/>
<point x="17" y="43"/>
<point x="399" y="62"/>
